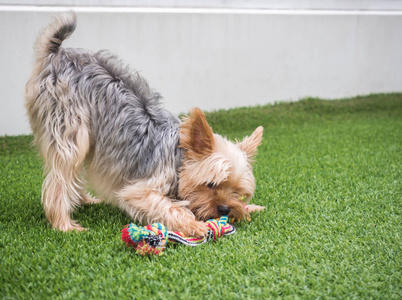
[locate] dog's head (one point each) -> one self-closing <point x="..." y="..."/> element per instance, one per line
<point x="216" y="176"/>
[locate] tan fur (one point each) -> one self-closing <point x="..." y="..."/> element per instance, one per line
<point x="225" y="164"/>
<point x="197" y="135"/>
<point x="148" y="206"/>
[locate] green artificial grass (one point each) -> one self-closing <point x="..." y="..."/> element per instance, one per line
<point x="329" y="173"/>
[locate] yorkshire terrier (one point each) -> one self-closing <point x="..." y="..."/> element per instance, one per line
<point x="93" y="118"/>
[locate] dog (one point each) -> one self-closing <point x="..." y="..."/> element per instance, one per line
<point x="97" y="123"/>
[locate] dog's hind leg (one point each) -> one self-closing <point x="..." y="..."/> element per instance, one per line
<point x="63" y="189"/>
<point x="88" y="199"/>
<point x="149" y="206"/>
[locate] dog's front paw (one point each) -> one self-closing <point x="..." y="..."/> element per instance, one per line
<point x="195" y="228"/>
<point x="254" y="208"/>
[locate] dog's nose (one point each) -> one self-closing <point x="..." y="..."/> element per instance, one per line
<point x="223" y="210"/>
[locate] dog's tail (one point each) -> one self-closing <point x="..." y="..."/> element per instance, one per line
<point x="50" y="39"/>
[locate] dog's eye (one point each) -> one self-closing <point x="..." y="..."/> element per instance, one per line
<point x="212" y="185"/>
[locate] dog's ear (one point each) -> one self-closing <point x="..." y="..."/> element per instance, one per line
<point x="196" y="135"/>
<point x="251" y="143"/>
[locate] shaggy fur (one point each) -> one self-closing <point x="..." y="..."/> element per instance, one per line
<point x="93" y="118"/>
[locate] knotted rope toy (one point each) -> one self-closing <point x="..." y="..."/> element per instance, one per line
<point x="153" y="239"/>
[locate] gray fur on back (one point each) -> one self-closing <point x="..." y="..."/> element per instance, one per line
<point x="129" y="128"/>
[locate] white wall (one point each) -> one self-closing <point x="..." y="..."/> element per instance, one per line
<point x="243" y="4"/>
<point x="218" y="58"/>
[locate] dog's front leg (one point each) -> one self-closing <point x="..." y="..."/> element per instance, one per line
<point x="148" y="206"/>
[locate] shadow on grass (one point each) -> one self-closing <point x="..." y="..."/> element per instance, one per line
<point x="100" y="215"/>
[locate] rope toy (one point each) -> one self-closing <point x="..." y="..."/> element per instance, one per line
<point x="153" y="239"/>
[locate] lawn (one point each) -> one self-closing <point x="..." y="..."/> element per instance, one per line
<point x="329" y="173"/>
